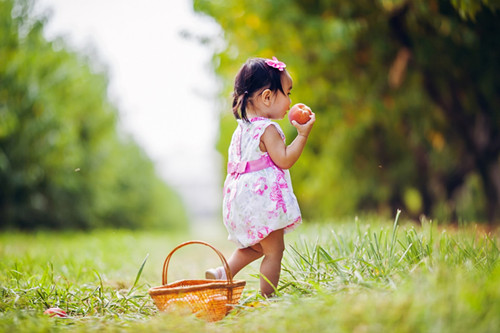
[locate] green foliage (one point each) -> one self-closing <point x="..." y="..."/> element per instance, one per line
<point x="63" y="163"/>
<point x="346" y="276"/>
<point x="381" y="257"/>
<point x="405" y="93"/>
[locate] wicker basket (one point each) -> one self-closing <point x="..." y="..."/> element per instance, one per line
<point x="207" y="299"/>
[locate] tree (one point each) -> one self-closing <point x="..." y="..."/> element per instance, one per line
<point x="406" y="95"/>
<point x="63" y="162"/>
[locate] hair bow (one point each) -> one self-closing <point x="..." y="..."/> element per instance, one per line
<point x="275" y="63"/>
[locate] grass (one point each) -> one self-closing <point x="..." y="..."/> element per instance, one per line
<point x="355" y="276"/>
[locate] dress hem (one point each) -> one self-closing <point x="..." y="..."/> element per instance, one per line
<point x="287" y="229"/>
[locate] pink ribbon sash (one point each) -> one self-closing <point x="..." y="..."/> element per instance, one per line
<point x="244" y="167"/>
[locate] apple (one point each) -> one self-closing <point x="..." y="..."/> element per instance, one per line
<point x="56" y="312"/>
<point x="300" y="112"/>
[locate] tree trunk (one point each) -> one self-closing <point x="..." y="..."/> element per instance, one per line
<point x="490" y="176"/>
<point x="480" y="141"/>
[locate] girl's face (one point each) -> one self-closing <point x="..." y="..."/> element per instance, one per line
<point x="281" y="101"/>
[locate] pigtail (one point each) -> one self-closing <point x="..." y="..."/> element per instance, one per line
<point x="240" y="105"/>
<point x="236" y="105"/>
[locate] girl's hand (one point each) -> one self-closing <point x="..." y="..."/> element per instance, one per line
<point x="306" y="128"/>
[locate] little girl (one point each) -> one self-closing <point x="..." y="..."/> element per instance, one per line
<point x="259" y="205"/>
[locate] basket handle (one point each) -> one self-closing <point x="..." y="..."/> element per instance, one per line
<point x="223" y="260"/>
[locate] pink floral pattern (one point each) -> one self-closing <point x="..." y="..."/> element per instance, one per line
<point x="257" y="203"/>
<point x="260" y="186"/>
<point x="276" y="192"/>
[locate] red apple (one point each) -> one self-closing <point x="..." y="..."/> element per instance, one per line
<point x="301" y="113"/>
<point x="56" y="312"/>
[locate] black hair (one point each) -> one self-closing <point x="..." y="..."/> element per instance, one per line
<point x="253" y="76"/>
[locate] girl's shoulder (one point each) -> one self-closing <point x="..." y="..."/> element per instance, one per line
<point x="254" y="123"/>
<point x="261" y="124"/>
<point x="258" y="124"/>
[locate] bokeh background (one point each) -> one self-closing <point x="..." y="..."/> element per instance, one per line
<point x="116" y="113"/>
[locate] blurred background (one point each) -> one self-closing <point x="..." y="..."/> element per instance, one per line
<point x="161" y="83"/>
<point x="116" y="113"/>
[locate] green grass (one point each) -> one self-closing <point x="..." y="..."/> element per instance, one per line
<point x="354" y="276"/>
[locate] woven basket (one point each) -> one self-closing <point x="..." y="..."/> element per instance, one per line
<point x="207" y="299"/>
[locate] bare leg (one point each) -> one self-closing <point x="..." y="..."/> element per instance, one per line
<point x="273" y="247"/>
<point x="242" y="257"/>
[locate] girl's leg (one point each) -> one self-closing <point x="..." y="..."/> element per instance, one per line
<point x="273" y="247"/>
<point x="242" y="257"/>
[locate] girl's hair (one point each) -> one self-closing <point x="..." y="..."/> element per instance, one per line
<point x="253" y="76"/>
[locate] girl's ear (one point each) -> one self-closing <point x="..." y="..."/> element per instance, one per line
<point x="266" y="97"/>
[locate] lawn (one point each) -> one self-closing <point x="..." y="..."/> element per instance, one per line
<point x="359" y="275"/>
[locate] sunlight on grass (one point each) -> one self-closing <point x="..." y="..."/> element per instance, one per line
<point x="352" y="276"/>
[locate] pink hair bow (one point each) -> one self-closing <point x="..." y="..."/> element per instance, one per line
<point x="275" y="63"/>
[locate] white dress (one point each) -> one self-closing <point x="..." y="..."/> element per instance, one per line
<point x="255" y="203"/>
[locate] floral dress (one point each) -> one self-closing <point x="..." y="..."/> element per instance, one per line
<point x="258" y="195"/>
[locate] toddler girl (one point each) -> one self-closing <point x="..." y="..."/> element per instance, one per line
<point x="259" y="205"/>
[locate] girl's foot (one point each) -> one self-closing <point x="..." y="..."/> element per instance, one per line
<point x="216" y="273"/>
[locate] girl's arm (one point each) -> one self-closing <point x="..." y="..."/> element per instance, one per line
<point x="282" y="155"/>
